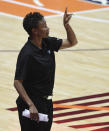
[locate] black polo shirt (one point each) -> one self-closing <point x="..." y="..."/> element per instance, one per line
<point x="36" y="67"/>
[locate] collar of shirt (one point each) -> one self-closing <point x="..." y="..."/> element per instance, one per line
<point x="36" y="48"/>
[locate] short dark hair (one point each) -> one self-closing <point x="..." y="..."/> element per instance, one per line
<point x="31" y="20"/>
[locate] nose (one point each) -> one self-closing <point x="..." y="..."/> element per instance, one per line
<point x="48" y="29"/>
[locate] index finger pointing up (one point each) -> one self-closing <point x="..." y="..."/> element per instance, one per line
<point x="66" y="10"/>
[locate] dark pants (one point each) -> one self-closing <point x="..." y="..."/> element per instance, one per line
<point x="44" y="106"/>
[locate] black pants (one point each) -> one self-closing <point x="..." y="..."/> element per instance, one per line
<point x="44" y="106"/>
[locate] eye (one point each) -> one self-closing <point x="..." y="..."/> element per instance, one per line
<point x="45" y="25"/>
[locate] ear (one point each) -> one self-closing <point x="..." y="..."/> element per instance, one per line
<point x="34" y="31"/>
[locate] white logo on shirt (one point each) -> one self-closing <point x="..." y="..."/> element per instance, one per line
<point x="49" y="52"/>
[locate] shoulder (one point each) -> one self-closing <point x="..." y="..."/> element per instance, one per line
<point x="53" y="43"/>
<point x="50" y="39"/>
<point x="25" y="52"/>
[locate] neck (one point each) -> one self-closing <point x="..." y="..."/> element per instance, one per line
<point x="37" y="41"/>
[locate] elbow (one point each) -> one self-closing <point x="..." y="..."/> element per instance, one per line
<point x="73" y="43"/>
<point x="15" y="83"/>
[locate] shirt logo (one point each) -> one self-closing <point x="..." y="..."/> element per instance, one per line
<point x="102" y="2"/>
<point x="58" y="39"/>
<point x="49" y="52"/>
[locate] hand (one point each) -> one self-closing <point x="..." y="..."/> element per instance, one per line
<point x="34" y="113"/>
<point x="66" y="18"/>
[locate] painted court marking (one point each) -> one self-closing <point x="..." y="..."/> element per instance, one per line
<point x="103" y="2"/>
<point x="83" y="109"/>
<point x="38" y="2"/>
<point x="75" y="16"/>
<point x="17" y="9"/>
<point x="49" y="8"/>
<point x="32" y="6"/>
<point x="12" y="16"/>
<point x="59" y="13"/>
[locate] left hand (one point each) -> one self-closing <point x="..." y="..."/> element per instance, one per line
<point x="66" y="18"/>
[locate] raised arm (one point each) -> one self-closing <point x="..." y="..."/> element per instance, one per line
<point x="71" y="37"/>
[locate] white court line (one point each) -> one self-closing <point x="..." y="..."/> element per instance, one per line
<point x="21" y="18"/>
<point x="32" y="6"/>
<point x="103" y="2"/>
<point x="38" y="2"/>
<point x="53" y="11"/>
<point x="91" y="11"/>
<point x="12" y="16"/>
<point x="82" y="17"/>
<point x="75" y="16"/>
<point x="91" y="19"/>
<point x="59" y="12"/>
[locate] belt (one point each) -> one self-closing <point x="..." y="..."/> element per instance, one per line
<point x="48" y="97"/>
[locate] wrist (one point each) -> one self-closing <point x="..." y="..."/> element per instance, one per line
<point x="66" y="25"/>
<point x="30" y="104"/>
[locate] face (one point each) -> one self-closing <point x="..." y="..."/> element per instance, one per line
<point x="42" y="29"/>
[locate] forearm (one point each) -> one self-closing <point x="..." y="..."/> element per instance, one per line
<point x="71" y="37"/>
<point x="21" y="91"/>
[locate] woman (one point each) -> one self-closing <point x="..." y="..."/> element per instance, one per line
<point x="35" y="70"/>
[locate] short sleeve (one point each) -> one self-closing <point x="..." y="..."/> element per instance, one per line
<point x="22" y="67"/>
<point x="54" y="43"/>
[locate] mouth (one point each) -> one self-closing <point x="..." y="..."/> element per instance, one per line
<point x="47" y="33"/>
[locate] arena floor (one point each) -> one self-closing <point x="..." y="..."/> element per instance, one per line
<point x="81" y="92"/>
